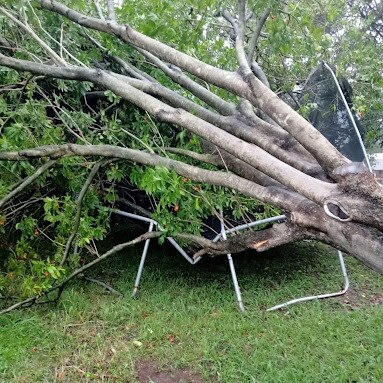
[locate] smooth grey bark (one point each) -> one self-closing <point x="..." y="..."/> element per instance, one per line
<point x="255" y="156"/>
<point x="248" y="86"/>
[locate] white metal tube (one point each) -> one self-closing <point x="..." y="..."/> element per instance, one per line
<point x="233" y="272"/>
<point x="230" y="259"/>
<point x="249" y="225"/>
<point x="142" y="262"/>
<point x="133" y="216"/>
<point x="330" y="295"/>
<point x="181" y="250"/>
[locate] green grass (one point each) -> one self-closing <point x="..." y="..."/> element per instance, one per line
<point x="186" y="317"/>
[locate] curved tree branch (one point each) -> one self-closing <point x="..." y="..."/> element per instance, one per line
<point x="30" y="301"/>
<point x="27" y="181"/>
<point x="260" y="22"/>
<point x="251" y="189"/>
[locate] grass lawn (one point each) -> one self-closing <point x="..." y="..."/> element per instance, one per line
<point x="185" y="326"/>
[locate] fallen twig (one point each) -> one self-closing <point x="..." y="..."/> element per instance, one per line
<point x="32" y="300"/>
<point x="104" y="285"/>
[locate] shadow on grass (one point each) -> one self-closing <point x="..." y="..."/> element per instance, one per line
<point x="295" y="269"/>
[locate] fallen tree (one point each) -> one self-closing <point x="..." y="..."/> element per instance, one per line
<point x="252" y="141"/>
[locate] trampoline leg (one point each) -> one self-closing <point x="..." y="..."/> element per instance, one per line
<point x="232" y="270"/>
<point x="235" y="283"/>
<point x="142" y="263"/>
<point x="346" y="285"/>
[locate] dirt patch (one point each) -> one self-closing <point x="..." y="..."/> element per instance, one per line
<point x="356" y="298"/>
<point x="150" y="372"/>
<point x="376" y="299"/>
<point x="353" y="298"/>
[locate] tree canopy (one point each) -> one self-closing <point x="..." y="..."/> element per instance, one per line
<point x="184" y="102"/>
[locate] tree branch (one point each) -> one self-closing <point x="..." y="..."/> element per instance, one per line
<point x="226" y="15"/>
<point x="54" y="56"/>
<point x="217" y="103"/>
<point x="84" y="189"/>
<point x="255" y="156"/>
<point x="99" y="9"/>
<point x="248" y="87"/>
<point x="208" y="158"/>
<point x="111" y="12"/>
<point x="257" y="32"/>
<point x="240" y="39"/>
<point x="104" y="285"/>
<point x="127" y="67"/>
<point x="259" y="73"/>
<point x="283" y="198"/>
<point x="27" y="181"/>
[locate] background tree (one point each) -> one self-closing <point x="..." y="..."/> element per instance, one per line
<point x="182" y="102"/>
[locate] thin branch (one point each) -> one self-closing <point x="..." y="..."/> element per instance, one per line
<point x="59" y="43"/>
<point x="128" y="68"/>
<point x="27" y="181"/>
<point x="99" y="9"/>
<point x="208" y="158"/>
<point x="175" y="73"/>
<point x="156" y="133"/>
<point x="243" y="62"/>
<point x="10" y="88"/>
<point x="240" y="38"/>
<point x="134" y="207"/>
<point x="245" y="170"/>
<point x="145" y="145"/>
<point x="54" y="108"/>
<point x="61" y="39"/>
<point x="255" y="67"/>
<point x="104" y="285"/>
<point x="27" y="302"/>
<point x="4" y="43"/>
<point x="257" y="32"/>
<point x="84" y="189"/>
<point x="30" y="301"/>
<point x="259" y="73"/>
<point x="12" y="209"/>
<point x="4" y="122"/>
<point x="54" y="56"/>
<point x="111" y="12"/>
<point x="238" y="35"/>
<point x="226" y="15"/>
